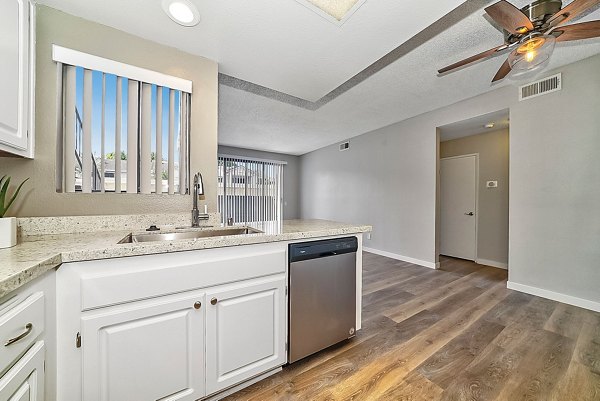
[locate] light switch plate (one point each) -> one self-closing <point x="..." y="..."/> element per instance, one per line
<point x="492" y="184"/>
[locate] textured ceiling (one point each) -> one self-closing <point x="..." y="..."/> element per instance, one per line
<point x="475" y="125"/>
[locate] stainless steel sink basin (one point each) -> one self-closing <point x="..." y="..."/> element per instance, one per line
<point x="150" y="237"/>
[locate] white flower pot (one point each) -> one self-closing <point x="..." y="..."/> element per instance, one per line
<point x="8" y="232"/>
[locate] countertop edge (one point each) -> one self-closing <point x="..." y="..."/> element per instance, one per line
<point x="15" y="281"/>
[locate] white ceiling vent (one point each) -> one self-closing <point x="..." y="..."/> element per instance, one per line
<point x="344" y="146"/>
<point x="541" y="87"/>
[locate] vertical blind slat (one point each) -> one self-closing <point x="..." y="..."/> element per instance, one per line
<point x="102" y="133"/>
<point x="118" y="121"/>
<point x="224" y="209"/>
<point x="158" y="158"/>
<point x="132" y="136"/>
<point x="86" y="151"/>
<point x="171" y="158"/>
<point x="145" y="139"/>
<point x="69" y="122"/>
<point x="183" y="134"/>
<point x="59" y="178"/>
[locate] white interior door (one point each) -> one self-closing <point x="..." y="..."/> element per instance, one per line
<point x="458" y="203"/>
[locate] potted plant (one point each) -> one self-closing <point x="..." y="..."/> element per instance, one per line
<point x="8" y="225"/>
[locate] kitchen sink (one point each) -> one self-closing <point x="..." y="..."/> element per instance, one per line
<point x="150" y="237"/>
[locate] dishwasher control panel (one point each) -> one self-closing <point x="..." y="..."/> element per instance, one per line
<point x="322" y="248"/>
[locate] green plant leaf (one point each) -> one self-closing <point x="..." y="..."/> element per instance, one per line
<point x="10" y="202"/>
<point x="3" y="190"/>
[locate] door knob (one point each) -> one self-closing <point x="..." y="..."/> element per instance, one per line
<point x="197" y="305"/>
<point x="469" y="214"/>
<point x="213" y="301"/>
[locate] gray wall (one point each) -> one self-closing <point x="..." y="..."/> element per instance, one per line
<point x="41" y="199"/>
<point x="291" y="176"/>
<point x="492" y="228"/>
<point x="388" y="178"/>
<point x="555" y="187"/>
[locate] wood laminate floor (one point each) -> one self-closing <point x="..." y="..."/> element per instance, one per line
<point x="451" y="334"/>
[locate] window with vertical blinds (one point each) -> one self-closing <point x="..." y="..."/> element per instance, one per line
<point x="122" y="128"/>
<point x="250" y="190"/>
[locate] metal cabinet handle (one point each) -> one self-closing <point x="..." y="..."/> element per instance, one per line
<point x="28" y="328"/>
<point x="469" y="214"/>
<point x="197" y="305"/>
<point x="214" y="301"/>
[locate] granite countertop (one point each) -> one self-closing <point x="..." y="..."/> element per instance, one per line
<point x="41" y="249"/>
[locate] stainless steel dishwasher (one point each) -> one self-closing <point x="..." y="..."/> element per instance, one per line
<point x="322" y="298"/>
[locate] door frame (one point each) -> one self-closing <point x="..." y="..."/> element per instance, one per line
<point x="476" y="155"/>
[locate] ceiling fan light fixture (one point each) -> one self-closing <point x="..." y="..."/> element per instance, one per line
<point x="522" y="29"/>
<point x="533" y="51"/>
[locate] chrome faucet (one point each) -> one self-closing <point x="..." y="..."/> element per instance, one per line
<point x="198" y="190"/>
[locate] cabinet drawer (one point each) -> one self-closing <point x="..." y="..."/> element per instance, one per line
<point x="25" y="380"/>
<point x="20" y="326"/>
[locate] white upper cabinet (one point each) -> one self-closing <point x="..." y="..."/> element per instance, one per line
<point x="16" y="77"/>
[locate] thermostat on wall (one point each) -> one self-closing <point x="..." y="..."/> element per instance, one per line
<point x="492" y="184"/>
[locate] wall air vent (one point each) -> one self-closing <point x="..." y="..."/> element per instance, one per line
<point x="344" y="146"/>
<point x="541" y="87"/>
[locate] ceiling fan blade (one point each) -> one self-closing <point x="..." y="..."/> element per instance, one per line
<point x="509" y="17"/>
<point x="471" y="59"/>
<point x="502" y="72"/>
<point x="575" y="8"/>
<point x="584" y="30"/>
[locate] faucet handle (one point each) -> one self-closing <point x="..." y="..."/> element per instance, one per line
<point x="198" y="184"/>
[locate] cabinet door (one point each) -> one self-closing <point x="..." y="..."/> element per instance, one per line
<point x="245" y="331"/>
<point x="25" y="380"/>
<point x="146" y="350"/>
<point x="14" y="73"/>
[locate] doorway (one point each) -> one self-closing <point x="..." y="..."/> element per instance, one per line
<point x="473" y="177"/>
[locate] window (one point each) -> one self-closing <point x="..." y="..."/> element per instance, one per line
<point x="124" y="128"/>
<point x="250" y="190"/>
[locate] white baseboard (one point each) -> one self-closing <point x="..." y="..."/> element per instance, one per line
<point x="492" y="263"/>
<point x="419" y="262"/>
<point x="555" y="296"/>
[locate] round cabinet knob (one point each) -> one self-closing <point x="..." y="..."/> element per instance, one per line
<point x="214" y="301"/>
<point x="197" y="305"/>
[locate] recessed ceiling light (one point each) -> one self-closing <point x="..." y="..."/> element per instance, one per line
<point x="182" y="11"/>
<point x="489" y="125"/>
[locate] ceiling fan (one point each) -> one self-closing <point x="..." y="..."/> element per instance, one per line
<point x="532" y="32"/>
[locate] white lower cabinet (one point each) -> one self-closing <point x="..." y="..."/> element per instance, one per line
<point x="149" y="350"/>
<point x="25" y="380"/>
<point x="245" y="331"/>
<point x="170" y="327"/>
